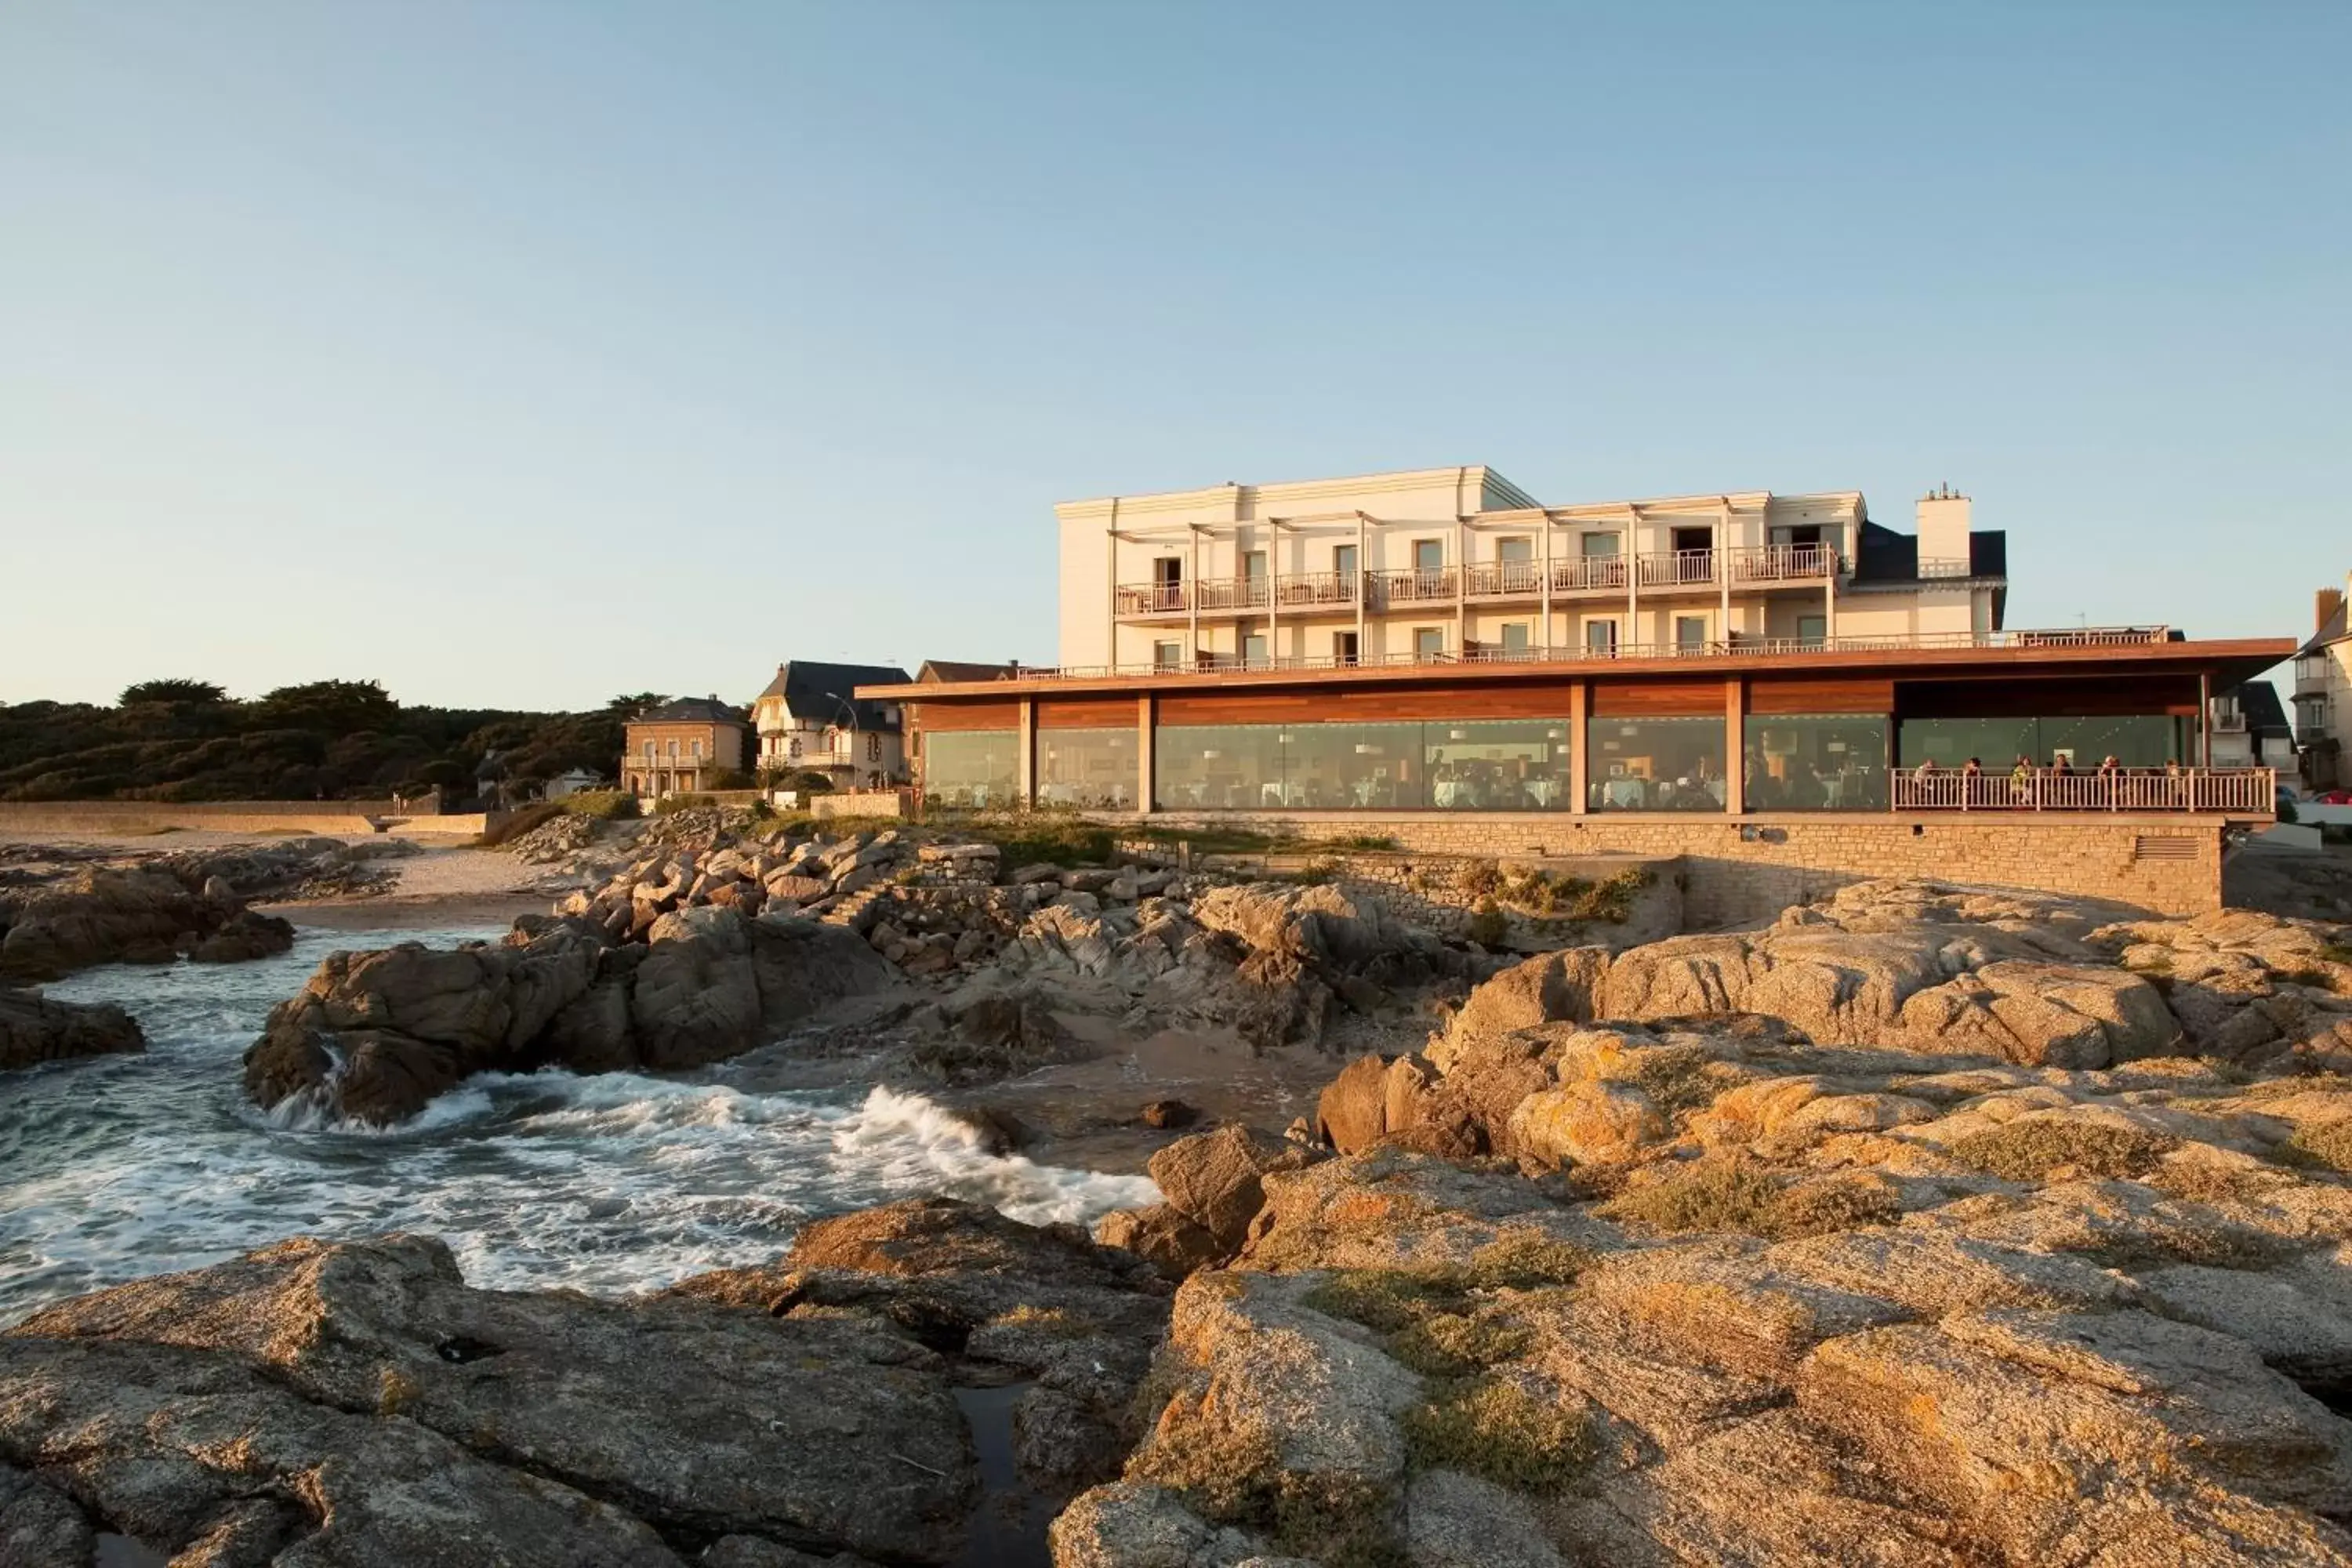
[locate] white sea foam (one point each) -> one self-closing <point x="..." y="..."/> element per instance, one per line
<point x="132" y="1165"/>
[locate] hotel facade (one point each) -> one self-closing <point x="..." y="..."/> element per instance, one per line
<point x="1433" y="658"/>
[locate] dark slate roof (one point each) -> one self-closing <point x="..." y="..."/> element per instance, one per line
<point x="1885" y="556"/>
<point x="691" y="710"/>
<point x="2258" y="701"/>
<point x="820" y="691"/>
<point x="936" y="670"/>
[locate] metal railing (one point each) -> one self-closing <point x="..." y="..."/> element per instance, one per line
<point x="1316" y="588"/>
<point x="1741" y="648"/>
<point x="1678" y="568"/>
<point x="2243" y="791"/>
<point x="1235" y="592"/>
<point x="1411" y="586"/>
<point x="1588" y="571"/>
<point x="1150" y="598"/>
<point x="1783" y="564"/>
<point x="1489" y="579"/>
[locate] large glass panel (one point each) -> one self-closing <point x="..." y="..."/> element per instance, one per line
<point x="1093" y="769"/>
<point x="2135" y="741"/>
<point x="971" y="769"/>
<point x="1655" y="764"/>
<point x="1216" y="767"/>
<point x="1502" y="764"/>
<point x="1373" y="767"/>
<point x="1816" y="761"/>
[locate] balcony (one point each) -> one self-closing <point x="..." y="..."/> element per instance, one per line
<point x="1151" y="599"/>
<point x="1229" y="594"/>
<point x="2310" y="673"/>
<point x="1588" y="571"/>
<point x="1314" y="590"/>
<point x="1677" y="569"/>
<point x="2244" y="792"/>
<point x="1416" y="586"/>
<point x="1770" y="564"/>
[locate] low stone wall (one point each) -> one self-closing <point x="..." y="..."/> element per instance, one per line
<point x="341" y="817"/>
<point x="865" y="803"/>
<point x="1744" y="869"/>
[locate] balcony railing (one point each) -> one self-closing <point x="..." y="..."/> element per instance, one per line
<point x="1150" y="599"/>
<point x="1588" y="571"/>
<point x="2240" y="791"/>
<point x="1493" y="579"/>
<point x="1677" y="569"/>
<point x="1311" y="588"/>
<point x="1412" y="586"/>
<point x="1781" y="562"/>
<point x="1717" y="651"/>
<point x="1235" y="592"/>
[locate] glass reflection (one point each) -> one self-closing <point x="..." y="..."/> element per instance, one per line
<point x="1816" y="761"/>
<point x="1655" y="764"/>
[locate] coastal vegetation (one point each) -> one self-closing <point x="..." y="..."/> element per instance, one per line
<point x="333" y="740"/>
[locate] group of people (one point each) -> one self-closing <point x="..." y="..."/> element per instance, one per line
<point x="2026" y="778"/>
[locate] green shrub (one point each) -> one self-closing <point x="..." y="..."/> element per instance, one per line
<point x="1496" y="1430"/>
<point x="1233" y="1474"/>
<point x="2027" y="1151"/>
<point x="1735" y="1195"/>
<point x="1488" y="926"/>
<point x="1386" y="1299"/>
<point x="1455" y="1345"/>
<point x="1527" y="1260"/>
<point x="604" y="805"/>
<point x="670" y="805"/>
<point x="1479" y="879"/>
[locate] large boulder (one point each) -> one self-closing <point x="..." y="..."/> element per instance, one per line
<point x="35" y="1029"/>
<point x="373" y="1036"/>
<point x="103" y="915"/>
<point x="376" y="1363"/>
<point x="1215" y="1179"/>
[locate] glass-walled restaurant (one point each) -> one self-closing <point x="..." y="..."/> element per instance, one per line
<point x="1789" y="762"/>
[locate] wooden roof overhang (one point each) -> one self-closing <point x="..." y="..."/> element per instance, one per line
<point x="2225" y="660"/>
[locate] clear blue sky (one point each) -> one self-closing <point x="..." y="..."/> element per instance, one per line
<point x="524" y="354"/>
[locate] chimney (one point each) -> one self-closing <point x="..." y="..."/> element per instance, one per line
<point x="1943" y="532"/>
<point x="2330" y="600"/>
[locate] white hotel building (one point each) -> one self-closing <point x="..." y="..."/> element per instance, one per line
<point x="1434" y="564"/>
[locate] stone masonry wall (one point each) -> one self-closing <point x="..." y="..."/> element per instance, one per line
<point x="1730" y="878"/>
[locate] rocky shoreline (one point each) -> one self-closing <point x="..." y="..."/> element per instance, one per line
<point x="1922" y="1225"/>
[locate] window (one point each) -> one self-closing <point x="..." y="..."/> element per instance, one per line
<point x="1093" y="769"/>
<point x="1518" y="548"/>
<point x="1690" y="634"/>
<point x="1253" y="652"/>
<point x="2146" y="741"/>
<point x="1816" y="761"/>
<point x="649" y="751"/>
<point x="1343" y="647"/>
<point x="1343" y="561"/>
<point x="1429" y="555"/>
<point x="873" y="745"/>
<point x="792" y="748"/>
<point x="1592" y="544"/>
<point x="1467" y="765"/>
<point x="1167" y="571"/>
<point x="971" y="769"/>
<point x="698" y="751"/>
<point x="1655" y="764"/>
<point x="1814" y="631"/>
<point x="1254" y="566"/>
<point x="1601" y="638"/>
<point x="1168" y="656"/>
<point x="673" y="750"/>
<point x="1428" y="642"/>
<point x="1515" y="637"/>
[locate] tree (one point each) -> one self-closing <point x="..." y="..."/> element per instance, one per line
<point x="338" y="706"/>
<point x="194" y="692"/>
<point x="630" y="705"/>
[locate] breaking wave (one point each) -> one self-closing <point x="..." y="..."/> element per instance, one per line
<point x="129" y="1165"/>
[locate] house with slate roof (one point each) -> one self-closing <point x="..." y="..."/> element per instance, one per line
<point x="810" y="718"/>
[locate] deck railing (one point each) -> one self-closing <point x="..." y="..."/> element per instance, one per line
<point x="1486" y="579"/>
<point x="1783" y="564"/>
<point x="1677" y="569"/>
<point x="1588" y="571"/>
<point x="2242" y="791"/>
<point x="1411" y="586"/>
<point x="1735" y="649"/>
<point x="1234" y="593"/>
<point x="1150" y="598"/>
<point x="1315" y="588"/>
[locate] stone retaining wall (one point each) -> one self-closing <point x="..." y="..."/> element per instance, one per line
<point x="337" y="818"/>
<point x="1743" y="868"/>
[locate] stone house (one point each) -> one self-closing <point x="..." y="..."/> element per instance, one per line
<point x="682" y="747"/>
<point x="810" y="718"/>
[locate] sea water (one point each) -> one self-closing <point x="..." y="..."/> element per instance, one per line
<point x="114" y="1167"/>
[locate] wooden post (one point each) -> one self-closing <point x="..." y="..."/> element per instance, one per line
<point x="1734" y="750"/>
<point x="1580" y="734"/>
<point x="1025" y="757"/>
<point x="1143" y="754"/>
